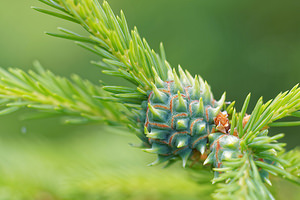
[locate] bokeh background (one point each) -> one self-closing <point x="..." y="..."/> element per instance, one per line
<point x="237" y="46"/>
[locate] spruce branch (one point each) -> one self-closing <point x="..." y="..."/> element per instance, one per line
<point x="243" y="180"/>
<point x="243" y="174"/>
<point x="293" y="156"/>
<point x="265" y="114"/>
<point x="123" y="52"/>
<point x="242" y="153"/>
<point x="246" y="172"/>
<point x="55" y="95"/>
<point x="283" y="105"/>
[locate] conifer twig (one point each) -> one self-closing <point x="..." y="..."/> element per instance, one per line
<point x="124" y="53"/>
<point x="54" y="95"/>
<point x="249" y="154"/>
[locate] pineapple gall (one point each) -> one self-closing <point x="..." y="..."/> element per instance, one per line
<point x="179" y="118"/>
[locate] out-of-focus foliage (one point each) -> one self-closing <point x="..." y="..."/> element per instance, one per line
<point x="237" y="46"/>
<point x="86" y="166"/>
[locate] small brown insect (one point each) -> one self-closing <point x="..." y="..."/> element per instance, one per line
<point x="222" y="122"/>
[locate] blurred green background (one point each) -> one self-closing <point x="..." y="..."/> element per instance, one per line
<point x="237" y="46"/>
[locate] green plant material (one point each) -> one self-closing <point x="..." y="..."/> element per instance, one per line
<point x="264" y="115"/>
<point x="53" y="95"/>
<point x="293" y="166"/>
<point x="223" y="147"/>
<point x="178" y="118"/>
<point x="283" y="105"/>
<point x="242" y="180"/>
<point x="239" y="148"/>
<point x="60" y="169"/>
<point x="124" y="53"/>
<point x="244" y="159"/>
